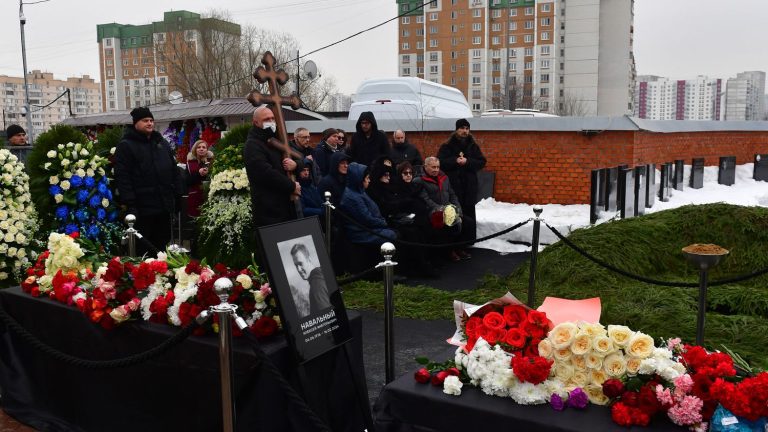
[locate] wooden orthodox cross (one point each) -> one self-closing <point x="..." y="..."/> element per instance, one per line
<point x="275" y="79"/>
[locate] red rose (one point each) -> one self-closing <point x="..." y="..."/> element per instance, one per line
<point x="494" y="320"/>
<point x="472" y="327"/>
<point x="422" y="376"/>
<point x="647" y="401"/>
<point x="515" y="314"/>
<point x="74" y="234"/>
<point x="515" y="338"/>
<point x="264" y="326"/>
<point x="453" y="371"/>
<point x="492" y="335"/>
<point x="539" y="319"/>
<point x="533" y="330"/>
<point x="613" y="388"/>
<point x="438" y="378"/>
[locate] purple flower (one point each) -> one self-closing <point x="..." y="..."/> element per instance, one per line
<point x="577" y="398"/>
<point x="557" y="402"/>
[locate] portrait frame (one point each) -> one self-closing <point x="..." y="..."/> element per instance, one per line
<point x="301" y="275"/>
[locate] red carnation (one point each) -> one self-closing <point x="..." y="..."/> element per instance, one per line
<point x="422" y="376"/>
<point x="494" y="320"/>
<point x="613" y="388"/>
<point x="193" y="267"/>
<point x="515" y="338"/>
<point x="533" y="330"/>
<point x="539" y="319"/>
<point x="534" y="370"/>
<point x="264" y="326"/>
<point x="453" y="371"/>
<point x="143" y="276"/>
<point x="220" y="268"/>
<point x="515" y="314"/>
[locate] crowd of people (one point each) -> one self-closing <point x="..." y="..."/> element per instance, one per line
<point x="382" y="190"/>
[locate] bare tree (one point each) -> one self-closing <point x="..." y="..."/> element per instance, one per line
<point x="571" y="106"/>
<point x="218" y="61"/>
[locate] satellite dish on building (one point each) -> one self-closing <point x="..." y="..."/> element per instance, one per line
<point x="175" y="97"/>
<point x="310" y="69"/>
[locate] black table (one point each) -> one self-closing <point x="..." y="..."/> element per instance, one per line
<point x="178" y="391"/>
<point x="407" y="406"/>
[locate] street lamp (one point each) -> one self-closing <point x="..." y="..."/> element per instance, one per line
<point x="22" y="22"/>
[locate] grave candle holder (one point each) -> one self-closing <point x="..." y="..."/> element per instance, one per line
<point x="703" y="257"/>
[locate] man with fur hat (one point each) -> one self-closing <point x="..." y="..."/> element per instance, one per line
<point x="146" y="177"/>
<point x="16" y="135"/>
<point x="461" y="159"/>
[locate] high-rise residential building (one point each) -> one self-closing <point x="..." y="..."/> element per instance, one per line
<point x="141" y="64"/>
<point x="339" y="102"/>
<point x="745" y="96"/>
<point x="49" y="102"/>
<point x="569" y="57"/>
<point x="660" y="98"/>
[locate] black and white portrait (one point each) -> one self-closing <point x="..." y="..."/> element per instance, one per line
<point x="305" y="276"/>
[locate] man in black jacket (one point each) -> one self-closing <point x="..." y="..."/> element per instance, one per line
<point x="402" y="151"/>
<point x="146" y="177"/>
<point x="368" y="142"/>
<point x="461" y="159"/>
<point x="272" y="191"/>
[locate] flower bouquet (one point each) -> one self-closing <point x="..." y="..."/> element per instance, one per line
<point x="17" y="218"/>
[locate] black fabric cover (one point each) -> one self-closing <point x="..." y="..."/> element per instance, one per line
<point x="178" y="391"/>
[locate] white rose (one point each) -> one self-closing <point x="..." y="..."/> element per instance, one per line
<point x="51" y="154"/>
<point x="562" y="335"/>
<point x="83" y="152"/>
<point x="58" y="198"/>
<point x="244" y="280"/>
<point x="619" y="334"/>
<point x="640" y="345"/>
<point x="65" y="162"/>
<point x="104" y="202"/>
<point x="614" y="365"/>
<point x="581" y="344"/>
<point x="21" y="239"/>
<point x="53" y="180"/>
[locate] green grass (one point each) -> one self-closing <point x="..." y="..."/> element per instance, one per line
<point x="737" y="314"/>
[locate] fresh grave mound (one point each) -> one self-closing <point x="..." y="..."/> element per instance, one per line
<point x="650" y="246"/>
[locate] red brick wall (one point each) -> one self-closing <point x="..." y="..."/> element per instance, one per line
<point x="554" y="167"/>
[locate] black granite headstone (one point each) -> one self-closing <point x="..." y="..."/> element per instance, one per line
<point x="603" y="179"/>
<point x="626" y="192"/>
<point x="650" y="185"/>
<point x="640" y="190"/>
<point x="594" y="196"/>
<point x="697" y="173"/>
<point x="665" y="182"/>
<point x="761" y="167"/>
<point x="726" y="174"/>
<point x="611" y="189"/>
<point x="677" y="179"/>
<point x="485" y="182"/>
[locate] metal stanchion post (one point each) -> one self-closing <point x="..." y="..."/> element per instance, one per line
<point x="700" y="316"/>
<point x="224" y="310"/>
<point x="703" y="260"/>
<point x="534" y="254"/>
<point x="130" y="235"/>
<point x="328" y="207"/>
<point x="388" y="251"/>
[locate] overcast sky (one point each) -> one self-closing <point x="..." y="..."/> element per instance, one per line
<point x="674" y="38"/>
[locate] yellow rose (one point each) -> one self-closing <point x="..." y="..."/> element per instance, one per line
<point x="545" y="349"/>
<point x="594" y="361"/>
<point x="563" y="372"/>
<point x="562" y="335"/>
<point x="592" y="329"/>
<point x="597" y="376"/>
<point x="579" y="362"/>
<point x="562" y="355"/>
<point x="603" y="345"/>
<point x="581" y="344"/>
<point x="614" y="365"/>
<point x="640" y="345"/>
<point x="620" y="335"/>
<point x="579" y="379"/>
<point x="595" y="394"/>
<point x="633" y="365"/>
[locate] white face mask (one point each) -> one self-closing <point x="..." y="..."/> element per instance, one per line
<point x="270" y="125"/>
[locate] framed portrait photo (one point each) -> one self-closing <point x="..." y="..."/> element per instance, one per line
<point x="302" y="278"/>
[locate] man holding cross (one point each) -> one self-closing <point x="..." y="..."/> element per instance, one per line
<point x="272" y="190"/>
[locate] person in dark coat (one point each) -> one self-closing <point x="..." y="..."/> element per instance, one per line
<point x="311" y="203"/>
<point x="361" y="208"/>
<point x="336" y="180"/>
<point x="273" y="194"/>
<point x="323" y="152"/>
<point x="146" y="178"/>
<point x="403" y="151"/>
<point x="368" y="142"/>
<point x="461" y="159"/>
<point x="437" y="193"/>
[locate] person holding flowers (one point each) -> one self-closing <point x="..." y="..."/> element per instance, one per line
<point x="147" y="179"/>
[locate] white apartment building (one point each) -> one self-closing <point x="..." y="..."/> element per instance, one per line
<point x="661" y="98"/>
<point x="84" y="96"/>
<point x="745" y="96"/>
<point x="339" y="102"/>
<point x="569" y="57"/>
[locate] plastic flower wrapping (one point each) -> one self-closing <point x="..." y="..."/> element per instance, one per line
<point x="170" y="288"/>
<point x="17" y="218"/>
<point x="504" y="351"/>
<point x="79" y="187"/>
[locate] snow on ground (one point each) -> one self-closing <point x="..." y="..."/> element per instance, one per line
<point x="494" y="216"/>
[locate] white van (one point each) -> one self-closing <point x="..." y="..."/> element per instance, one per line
<point x="408" y="98"/>
<point x="520" y="112"/>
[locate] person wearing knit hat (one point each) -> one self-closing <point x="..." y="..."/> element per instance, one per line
<point x="147" y="180"/>
<point x="461" y="159"/>
<point x="16" y="135"/>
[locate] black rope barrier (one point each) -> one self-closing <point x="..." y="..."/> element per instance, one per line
<point x="149" y="245"/>
<point x="356" y="277"/>
<point x="429" y="245"/>
<point x="133" y="360"/>
<point x="602" y="263"/>
<point x="297" y="401"/>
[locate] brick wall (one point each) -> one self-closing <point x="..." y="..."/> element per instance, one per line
<point x="554" y="167"/>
